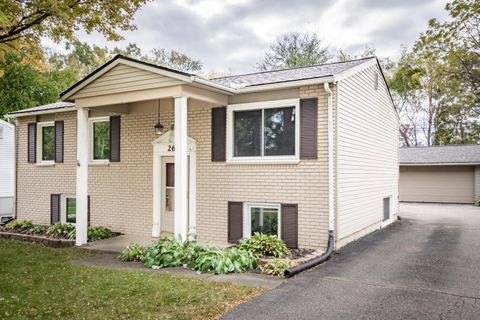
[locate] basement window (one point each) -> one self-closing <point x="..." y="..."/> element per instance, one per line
<point x="68" y="209"/>
<point x="262" y="218"/>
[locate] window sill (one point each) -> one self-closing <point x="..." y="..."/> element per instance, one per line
<point x="99" y="163"/>
<point x="263" y="161"/>
<point x="45" y="164"/>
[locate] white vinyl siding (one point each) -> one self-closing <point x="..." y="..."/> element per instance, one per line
<point x="7" y="169"/>
<point x="367" y="152"/>
<point x="122" y="78"/>
<point x="477" y="183"/>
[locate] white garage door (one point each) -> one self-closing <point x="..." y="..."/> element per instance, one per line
<point x="452" y="184"/>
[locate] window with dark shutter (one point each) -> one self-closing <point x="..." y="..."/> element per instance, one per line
<point x="235" y="221"/>
<point x="115" y="139"/>
<point x="32" y="142"/>
<point x="290" y="225"/>
<point x="308" y="128"/>
<point x="58" y="141"/>
<point x="219" y="118"/>
<point x="54" y="208"/>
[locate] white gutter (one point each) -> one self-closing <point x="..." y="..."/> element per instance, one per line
<point x="284" y="85"/>
<point x="36" y="113"/>
<point x="331" y="216"/>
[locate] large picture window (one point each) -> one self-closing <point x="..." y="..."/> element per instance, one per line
<point x="263" y="131"/>
<point x="45" y="142"/>
<point x="100" y="139"/>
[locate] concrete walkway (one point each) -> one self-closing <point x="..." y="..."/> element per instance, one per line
<point x="109" y="260"/>
<point x="117" y="244"/>
<point x="425" y="267"/>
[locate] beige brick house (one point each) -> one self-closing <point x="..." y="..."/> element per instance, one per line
<point x="144" y="149"/>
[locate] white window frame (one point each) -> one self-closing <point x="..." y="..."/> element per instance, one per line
<point x="262" y="106"/>
<point x="247" y="221"/>
<point x="40" y="126"/>
<point x="63" y="207"/>
<point x="91" y="121"/>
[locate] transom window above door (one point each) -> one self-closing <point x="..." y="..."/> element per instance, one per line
<point x="263" y="131"/>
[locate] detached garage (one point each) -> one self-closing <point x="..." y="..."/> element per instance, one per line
<point x="444" y="174"/>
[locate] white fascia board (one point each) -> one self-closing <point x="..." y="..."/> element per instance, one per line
<point x="36" y="113"/>
<point x="284" y="85"/>
<point x="439" y="164"/>
<point x="213" y="85"/>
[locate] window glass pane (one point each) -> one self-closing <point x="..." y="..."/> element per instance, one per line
<point x="48" y="143"/>
<point x="101" y="140"/>
<point x="71" y="210"/>
<point x="247" y="133"/>
<point x="279" y="131"/>
<point x="264" y="220"/>
<point x="170" y="199"/>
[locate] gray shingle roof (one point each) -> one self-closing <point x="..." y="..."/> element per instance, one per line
<point x="294" y="74"/>
<point x="454" y="154"/>
<point x="45" y="107"/>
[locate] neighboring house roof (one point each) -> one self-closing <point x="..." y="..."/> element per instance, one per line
<point x="47" y="107"/>
<point x="232" y="84"/>
<point x="441" y="155"/>
<point x="293" y="74"/>
<point x="5" y="123"/>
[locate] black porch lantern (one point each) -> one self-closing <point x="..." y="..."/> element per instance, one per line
<point x="158" y="127"/>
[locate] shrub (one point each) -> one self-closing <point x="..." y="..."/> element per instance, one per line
<point x="19" y="225"/>
<point x="61" y="230"/>
<point x="96" y="233"/>
<point x="224" y="261"/>
<point x="477" y="202"/>
<point x="263" y="245"/>
<point x="38" y="229"/>
<point x="134" y="252"/>
<point x="277" y="267"/>
<point x="170" y="252"/>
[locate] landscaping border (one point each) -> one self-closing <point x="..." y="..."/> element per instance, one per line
<point x="49" y="242"/>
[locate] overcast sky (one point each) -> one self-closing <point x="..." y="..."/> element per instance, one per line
<point x="234" y="34"/>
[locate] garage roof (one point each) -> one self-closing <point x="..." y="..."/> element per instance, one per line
<point x="441" y="155"/>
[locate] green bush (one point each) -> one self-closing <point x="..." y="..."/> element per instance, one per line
<point x="477" y="202"/>
<point x="263" y="245"/>
<point x="277" y="266"/>
<point x="224" y="261"/>
<point x="134" y="252"/>
<point x="171" y="252"/>
<point x="61" y="230"/>
<point x="97" y="233"/>
<point x="38" y="229"/>
<point x="19" y="225"/>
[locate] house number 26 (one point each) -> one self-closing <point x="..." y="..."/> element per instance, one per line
<point x="171" y="147"/>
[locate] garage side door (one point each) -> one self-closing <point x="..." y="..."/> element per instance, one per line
<point x="437" y="184"/>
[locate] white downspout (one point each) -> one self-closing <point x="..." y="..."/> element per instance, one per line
<point x="331" y="216"/>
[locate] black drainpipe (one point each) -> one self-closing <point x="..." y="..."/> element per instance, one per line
<point x="314" y="262"/>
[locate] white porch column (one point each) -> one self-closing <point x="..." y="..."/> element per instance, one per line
<point x="181" y="168"/>
<point x="157" y="189"/>
<point x="82" y="178"/>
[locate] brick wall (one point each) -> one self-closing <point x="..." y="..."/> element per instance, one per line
<point x="121" y="193"/>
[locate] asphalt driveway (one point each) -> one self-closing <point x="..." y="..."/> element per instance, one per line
<point x="425" y="267"/>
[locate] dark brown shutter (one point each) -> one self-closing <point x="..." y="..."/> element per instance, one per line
<point x="115" y="139"/>
<point x="235" y="221"/>
<point x="32" y="142"/>
<point x="290" y="225"/>
<point x="58" y="141"/>
<point x="219" y="131"/>
<point x="308" y="128"/>
<point x="88" y="210"/>
<point x="54" y="208"/>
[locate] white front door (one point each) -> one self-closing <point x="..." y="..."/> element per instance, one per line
<point x="168" y="194"/>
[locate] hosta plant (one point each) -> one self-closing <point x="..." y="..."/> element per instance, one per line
<point x="264" y="245"/>
<point x="224" y="261"/>
<point x="171" y="252"/>
<point x="96" y="233"/>
<point x="134" y="252"/>
<point x="61" y="230"/>
<point x="277" y="266"/>
<point x="19" y="225"/>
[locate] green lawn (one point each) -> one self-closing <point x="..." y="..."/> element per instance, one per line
<point x="37" y="282"/>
